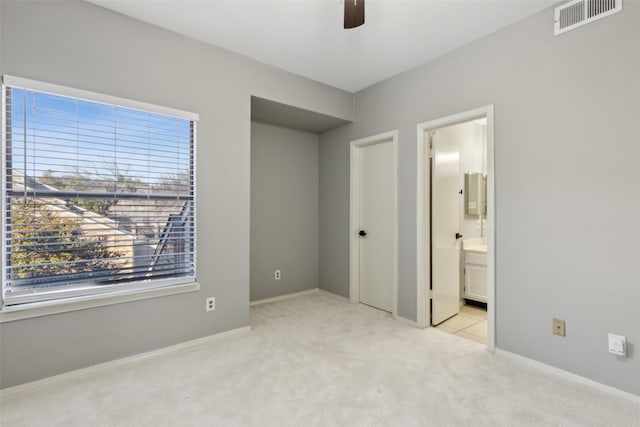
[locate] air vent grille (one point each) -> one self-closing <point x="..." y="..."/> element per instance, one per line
<point x="580" y="12"/>
<point x="598" y="7"/>
<point x="571" y="15"/>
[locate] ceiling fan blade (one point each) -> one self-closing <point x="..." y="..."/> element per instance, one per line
<point x="353" y="13"/>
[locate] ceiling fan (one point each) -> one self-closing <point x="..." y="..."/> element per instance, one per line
<point x="353" y="13"/>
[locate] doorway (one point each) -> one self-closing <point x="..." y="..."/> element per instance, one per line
<point x="373" y="222"/>
<point x="443" y="185"/>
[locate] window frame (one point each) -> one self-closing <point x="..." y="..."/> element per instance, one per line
<point x="110" y="294"/>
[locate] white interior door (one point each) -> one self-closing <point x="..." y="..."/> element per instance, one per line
<point x="445" y="226"/>
<point x="376" y="225"/>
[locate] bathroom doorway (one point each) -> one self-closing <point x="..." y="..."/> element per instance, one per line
<point x="456" y="247"/>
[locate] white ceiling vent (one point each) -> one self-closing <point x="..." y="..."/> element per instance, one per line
<point x="579" y="12"/>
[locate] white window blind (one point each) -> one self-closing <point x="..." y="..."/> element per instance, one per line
<point x="98" y="197"/>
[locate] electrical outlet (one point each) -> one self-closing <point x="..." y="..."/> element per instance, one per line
<point x="618" y="345"/>
<point x="277" y="275"/>
<point x="211" y="303"/>
<point x="558" y="327"/>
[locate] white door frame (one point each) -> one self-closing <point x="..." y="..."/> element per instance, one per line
<point x="423" y="249"/>
<point x="354" y="210"/>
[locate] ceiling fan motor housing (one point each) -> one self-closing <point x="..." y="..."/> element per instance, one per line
<point x="353" y="13"/>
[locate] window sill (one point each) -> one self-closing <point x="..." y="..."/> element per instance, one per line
<point x="27" y="311"/>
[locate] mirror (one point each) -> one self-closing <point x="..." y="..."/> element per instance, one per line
<point x="475" y="190"/>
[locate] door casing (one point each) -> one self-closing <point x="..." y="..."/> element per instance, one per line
<point x="423" y="247"/>
<point x="354" y="209"/>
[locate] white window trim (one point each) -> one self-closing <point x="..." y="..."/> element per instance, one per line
<point x="125" y="294"/>
<point x="96" y="97"/>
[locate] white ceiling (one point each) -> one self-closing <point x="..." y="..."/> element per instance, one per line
<point x="307" y="38"/>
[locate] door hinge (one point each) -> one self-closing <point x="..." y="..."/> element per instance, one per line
<point x="430" y="153"/>
<point x="430" y="294"/>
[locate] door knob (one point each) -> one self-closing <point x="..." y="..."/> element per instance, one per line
<point x="362" y="233"/>
<point x="458" y="236"/>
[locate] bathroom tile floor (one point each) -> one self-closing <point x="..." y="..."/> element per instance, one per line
<point x="470" y="323"/>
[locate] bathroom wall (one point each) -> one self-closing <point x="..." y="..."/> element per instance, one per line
<point x="469" y="140"/>
<point x="473" y="154"/>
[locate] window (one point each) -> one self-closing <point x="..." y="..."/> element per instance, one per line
<point x="98" y="194"/>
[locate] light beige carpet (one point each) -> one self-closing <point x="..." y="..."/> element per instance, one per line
<point x="319" y="361"/>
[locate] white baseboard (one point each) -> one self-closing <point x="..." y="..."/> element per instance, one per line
<point x="283" y="297"/>
<point x="395" y="317"/>
<point x="405" y="321"/>
<point x="569" y="375"/>
<point x="331" y="294"/>
<point x="123" y="361"/>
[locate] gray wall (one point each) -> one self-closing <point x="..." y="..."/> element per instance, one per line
<point x="80" y="45"/>
<point x="284" y="210"/>
<point x="566" y="163"/>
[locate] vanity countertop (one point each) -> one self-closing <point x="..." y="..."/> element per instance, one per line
<point x="475" y="245"/>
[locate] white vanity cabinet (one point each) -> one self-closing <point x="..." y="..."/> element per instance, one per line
<point x="475" y="275"/>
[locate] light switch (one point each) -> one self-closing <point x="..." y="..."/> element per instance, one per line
<point x="617" y="345"/>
